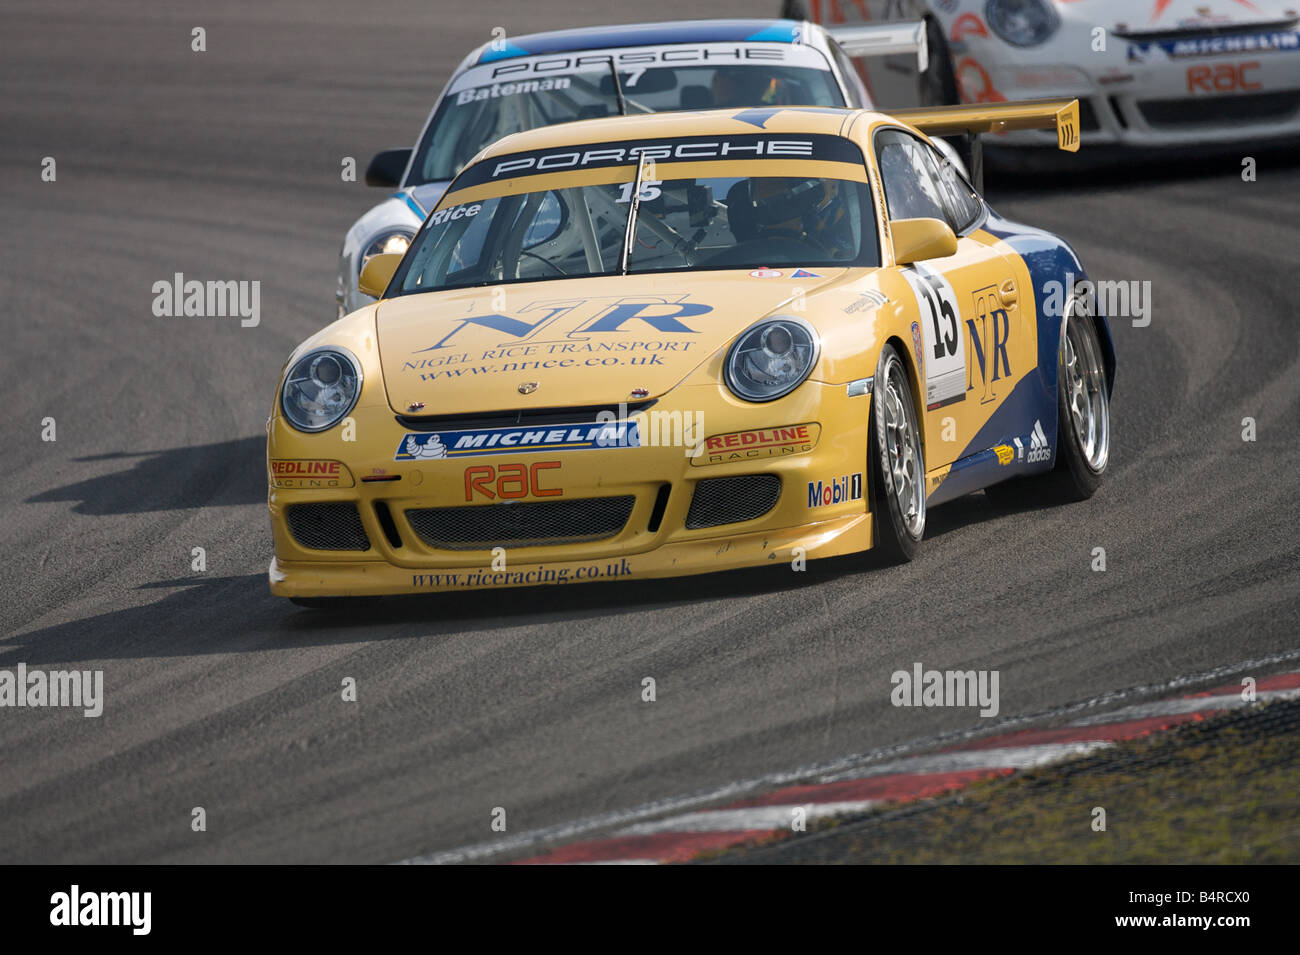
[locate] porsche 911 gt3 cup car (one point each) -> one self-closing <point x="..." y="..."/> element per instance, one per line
<point x="683" y="342"/>
<point x="1146" y="72"/>
<point x="523" y="82"/>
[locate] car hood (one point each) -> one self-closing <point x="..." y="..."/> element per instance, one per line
<point x="569" y="342"/>
<point x="1163" y="16"/>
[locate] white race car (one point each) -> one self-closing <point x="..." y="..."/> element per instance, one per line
<point x="1145" y="72"/>
<point x="518" y="83"/>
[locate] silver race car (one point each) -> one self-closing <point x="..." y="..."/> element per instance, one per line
<point x="1147" y="73"/>
<point x="518" y="83"/>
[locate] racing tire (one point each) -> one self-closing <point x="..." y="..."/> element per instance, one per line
<point x="895" y="462"/>
<point x="1082" y="420"/>
<point x="1082" y="407"/>
<point x="937" y="86"/>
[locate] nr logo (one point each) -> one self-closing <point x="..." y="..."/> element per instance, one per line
<point x="592" y="316"/>
<point x="989" y="330"/>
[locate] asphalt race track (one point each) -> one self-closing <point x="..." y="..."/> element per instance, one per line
<point x="226" y="165"/>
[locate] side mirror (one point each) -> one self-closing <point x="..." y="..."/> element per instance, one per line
<point x="916" y="240"/>
<point x="386" y="168"/>
<point x="378" y="273"/>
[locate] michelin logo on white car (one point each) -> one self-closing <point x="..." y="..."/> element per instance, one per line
<point x="1147" y="73"/>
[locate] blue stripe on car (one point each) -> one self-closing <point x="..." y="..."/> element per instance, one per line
<point x="1049" y="258"/>
<point x="646" y="34"/>
<point x="410" y="201"/>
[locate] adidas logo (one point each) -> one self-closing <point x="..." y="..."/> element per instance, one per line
<point x="1039" y="450"/>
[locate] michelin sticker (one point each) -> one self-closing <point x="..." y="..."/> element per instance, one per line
<point x="431" y="449"/>
<point x="427" y="446"/>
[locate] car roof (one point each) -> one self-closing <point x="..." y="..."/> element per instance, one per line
<point x="834" y="121"/>
<point x="643" y="34"/>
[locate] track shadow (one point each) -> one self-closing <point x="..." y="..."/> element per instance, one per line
<point x="976" y="508"/>
<point x="213" y="475"/>
<point x="1015" y="173"/>
<point x="237" y="614"/>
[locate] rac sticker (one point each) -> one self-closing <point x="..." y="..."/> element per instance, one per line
<point x="510" y="481"/>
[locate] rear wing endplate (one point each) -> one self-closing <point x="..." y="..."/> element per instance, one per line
<point x="1059" y="114"/>
<point x="884" y="39"/>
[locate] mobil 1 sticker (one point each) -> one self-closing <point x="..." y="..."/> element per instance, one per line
<point x="945" y="350"/>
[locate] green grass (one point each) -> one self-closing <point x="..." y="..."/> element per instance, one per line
<point x="1224" y="791"/>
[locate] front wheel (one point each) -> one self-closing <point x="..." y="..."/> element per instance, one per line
<point x="895" y="462"/>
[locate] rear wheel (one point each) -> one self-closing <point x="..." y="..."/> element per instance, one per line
<point x="1083" y="407"/>
<point x="895" y="462"/>
<point x="1083" y="419"/>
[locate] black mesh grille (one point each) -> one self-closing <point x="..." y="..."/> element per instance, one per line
<point x="522" y="524"/>
<point x="1253" y="108"/>
<point x="333" y="526"/>
<point x="731" y="500"/>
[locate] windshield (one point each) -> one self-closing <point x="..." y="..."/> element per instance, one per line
<point x="480" y="109"/>
<point x="703" y="223"/>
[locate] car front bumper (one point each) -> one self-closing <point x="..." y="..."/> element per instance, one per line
<point x="665" y="534"/>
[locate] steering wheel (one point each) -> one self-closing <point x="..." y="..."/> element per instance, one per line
<point x="798" y="235"/>
<point x="543" y="260"/>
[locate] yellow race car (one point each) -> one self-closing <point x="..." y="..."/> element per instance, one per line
<point x="668" y="344"/>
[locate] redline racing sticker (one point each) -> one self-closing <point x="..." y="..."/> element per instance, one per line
<point x="310" y="473"/>
<point x="758" y="443"/>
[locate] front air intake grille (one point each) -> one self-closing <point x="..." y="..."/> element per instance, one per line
<point x="333" y="526"/>
<point x="1221" y="110"/>
<point x="525" y="417"/>
<point x="522" y="524"/>
<point x="731" y="500"/>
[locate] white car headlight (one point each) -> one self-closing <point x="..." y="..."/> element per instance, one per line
<point x="395" y="240"/>
<point x="771" y="359"/>
<point x="1022" y="22"/>
<point x="320" y="388"/>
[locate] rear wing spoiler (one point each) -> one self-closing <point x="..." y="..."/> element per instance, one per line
<point x="971" y="120"/>
<point x="884" y="39"/>
<point x="1059" y="114"/>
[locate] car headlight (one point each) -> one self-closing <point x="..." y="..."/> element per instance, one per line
<point x="771" y="358"/>
<point x="1022" y="22"/>
<point x="320" y="388"/>
<point x="395" y="241"/>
